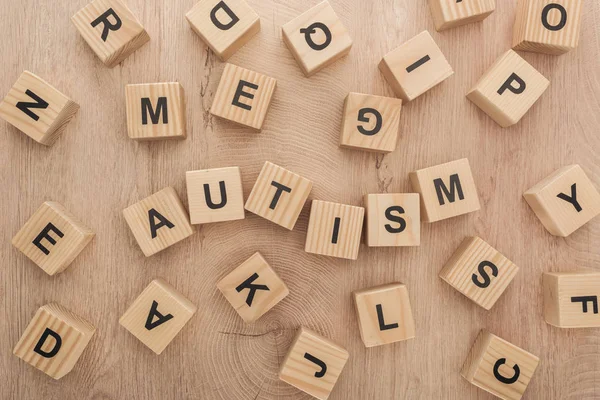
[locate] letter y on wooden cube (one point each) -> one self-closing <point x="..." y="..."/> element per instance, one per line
<point x="393" y="219"/>
<point x="452" y="13"/>
<point x="571" y="299"/>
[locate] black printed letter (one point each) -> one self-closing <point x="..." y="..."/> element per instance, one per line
<point x="239" y="92"/>
<point x="44" y="235"/>
<point x="382" y="325"/>
<point x="247" y="284"/>
<point x="152" y="215"/>
<point x="280" y="189"/>
<point x="313" y="29"/>
<point x="40" y="343"/>
<point x="103" y="19"/>
<point x="161" y="319"/>
<point x="450" y="195"/>
<point x="563" y="17"/>
<point x="504" y="379"/>
<point x="363" y="118"/>
<point x="486" y="278"/>
<point x="208" y="198"/>
<point x="213" y="16"/>
<point x="321" y="364"/>
<point x="25" y="106"/>
<point x="336" y="230"/>
<point x="572" y="199"/>
<point x="586" y="299"/>
<point x="161" y="107"/>
<point x="395" y="218"/>
<point x="508" y="85"/>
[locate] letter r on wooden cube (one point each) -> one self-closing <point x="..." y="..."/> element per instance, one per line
<point x="393" y="219"/>
<point x="452" y="13"/>
<point x="571" y="299"/>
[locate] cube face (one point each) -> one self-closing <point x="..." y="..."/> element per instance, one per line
<point x="415" y="67"/>
<point x="447" y="190"/>
<point x="158" y="221"/>
<point x="384" y="314"/>
<point x="571" y="299"/>
<point x="54" y="340"/>
<point x="564" y="201"/>
<point x="508" y="89"/>
<point x="110" y="29"/>
<point x="393" y="220"/>
<point x="37" y="109"/>
<point x="479" y="271"/>
<point x="317" y="38"/>
<point x="278" y="195"/>
<point x="334" y="229"/>
<point x="157" y="315"/>
<point x="243" y="96"/>
<point x="253" y="288"/>
<point x="499" y="367"/>
<point x="225" y="26"/>
<point x="313" y="364"/>
<point x="452" y="13"/>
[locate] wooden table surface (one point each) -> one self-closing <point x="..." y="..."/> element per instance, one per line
<point x="96" y="171"/>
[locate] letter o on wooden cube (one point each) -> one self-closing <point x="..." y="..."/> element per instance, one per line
<point x="452" y="13"/>
<point x="393" y="219"/>
<point x="571" y="299"/>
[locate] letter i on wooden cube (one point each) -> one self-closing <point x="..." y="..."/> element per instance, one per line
<point x="313" y="364"/>
<point x="499" y="367"/>
<point x="571" y="299"/>
<point x="452" y="13"/>
<point x="158" y="315"/>
<point x="37" y="109"/>
<point x="393" y="220"/>
<point x="110" y="29"/>
<point x="54" y="340"/>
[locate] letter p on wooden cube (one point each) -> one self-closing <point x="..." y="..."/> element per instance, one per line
<point x="571" y="299"/>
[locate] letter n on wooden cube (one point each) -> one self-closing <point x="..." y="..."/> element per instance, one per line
<point x="393" y="219"/>
<point x="54" y="340"/>
<point x="571" y="299"/>
<point x="452" y="13"/>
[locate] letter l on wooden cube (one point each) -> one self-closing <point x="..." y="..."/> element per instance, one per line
<point x="571" y="299"/>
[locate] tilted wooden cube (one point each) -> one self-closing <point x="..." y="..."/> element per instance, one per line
<point x="313" y="364"/>
<point x="571" y="299"/>
<point x="111" y="30"/>
<point x="37" y="109"/>
<point x="158" y="315"/>
<point x="452" y="13"/>
<point x="54" y="340"/>
<point x="393" y="219"/>
<point x="225" y="26"/>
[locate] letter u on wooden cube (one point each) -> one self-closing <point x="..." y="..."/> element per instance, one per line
<point x="452" y="13"/>
<point x="571" y="299"/>
<point x="393" y="219"/>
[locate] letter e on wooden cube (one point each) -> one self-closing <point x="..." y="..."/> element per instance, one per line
<point x="393" y="219"/>
<point x="571" y="299"/>
<point x="452" y="13"/>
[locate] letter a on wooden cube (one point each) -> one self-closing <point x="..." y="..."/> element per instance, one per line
<point x="447" y="190"/>
<point x="111" y="30"/>
<point x="37" y="109"/>
<point x="564" y="201"/>
<point x="479" y="271"/>
<point x="52" y="238"/>
<point x="452" y="13"/>
<point x="499" y="367"/>
<point x="158" y="221"/>
<point x="157" y="315"/>
<point x="571" y="299"/>
<point x="508" y="89"/>
<point x="253" y="288"/>
<point x="313" y="364"/>
<point x="393" y="219"/>
<point x="54" y="340"/>
<point x="225" y="26"/>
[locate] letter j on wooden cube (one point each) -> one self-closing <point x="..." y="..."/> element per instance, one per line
<point x="571" y="299"/>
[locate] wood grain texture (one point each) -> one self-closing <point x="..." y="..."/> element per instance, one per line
<point x="96" y="171"/>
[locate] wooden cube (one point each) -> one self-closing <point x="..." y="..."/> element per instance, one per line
<point x="317" y="38"/>
<point x="447" y="190"/>
<point x="37" y="109"/>
<point x="370" y="122"/>
<point x="452" y="13"/>
<point x="253" y="288"/>
<point x="547" y="26"/>
<point x="155" y="111"/>
<point x="52" y="237"/>
<point x="313" y="364"/>
<point x="278" y="195"/>
<point x="571" y="299"/>
<point x="393" y="220"/>
<point x="508" y="89"/>
<point x="215" y="195"/>
<point x="384" y="314"/>
<point x="334" y="229"/>
<point x="157" y="315"/>
<point x="499" y="367"/>
<point x="158" y="221"/>
<point x="564" y="201"/>
<point x="415" y="67"/>
<point x="54" y="340"/>
<point x="243" y="96"/>
<point x="110" y="29"/>
<point x="225" y="26"/>
<point x="479" y="271"/>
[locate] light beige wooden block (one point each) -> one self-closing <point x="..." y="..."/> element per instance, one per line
<point x="278" y="195"/>
<point x="415" y="67"/>
<point x="313" y="364"/>
<point x="215" y="195"/>
<point x="547" y="26"/>
<point x="384" y="314"/>
<point x="225" y="26"/>
<point x="158" y="221"/>
<point x="243" y="96"/>
<point x="447" y="190"/>
<point x="452" y="13"/>
<point x="479" y="271"/>
<point x="571" y="299"/>
<point x="37" y="109"/>
<point x="564" y="201"/>
<point x="334" y="229"/>
<point x="499" y="367"/>
<point x="110" y="29"/>
<point x="370" y="122"/>
<point x="508" y="89"/>
<point x="253" y="288"/>
<point x="52" y="237"/>
<point x="54" y="340"/>
<point x="158" y="315"/>
<point x="393" y="219"/>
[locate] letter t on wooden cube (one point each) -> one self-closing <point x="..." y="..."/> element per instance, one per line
<point x="393" y="219"/>
<point x="452" y="13"/>
<point x="571" y="299"/>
